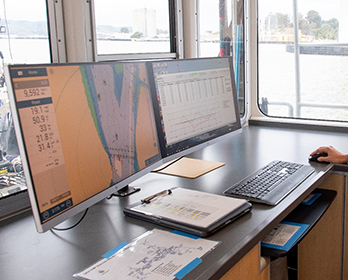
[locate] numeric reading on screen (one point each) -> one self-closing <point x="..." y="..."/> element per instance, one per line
<point x="35" y="106"/>
<point x="41" y="135"/>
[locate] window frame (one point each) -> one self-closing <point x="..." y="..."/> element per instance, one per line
<point x="56" y="31"/>
<point x="175" y="30"/>
<point x="192" y="44"/>
<point x="256" y="113"/>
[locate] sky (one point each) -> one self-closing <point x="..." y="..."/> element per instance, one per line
<point x="23" y="10"/>
<point x="327" y="9"/>
<point x="116" y="14"/>
<point x="119" y="12"/>
<point x="111" y="9"/>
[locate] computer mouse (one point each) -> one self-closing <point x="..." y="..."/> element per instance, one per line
<point x="314" y="158"/>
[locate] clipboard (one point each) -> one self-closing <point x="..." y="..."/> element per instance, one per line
<point x="191" y="211"/>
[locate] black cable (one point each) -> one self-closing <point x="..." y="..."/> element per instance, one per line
<point x="169" y="164"/>
<point x="79" y="221"/>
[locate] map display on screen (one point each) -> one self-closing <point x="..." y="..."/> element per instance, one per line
<point x="85" y="128"/>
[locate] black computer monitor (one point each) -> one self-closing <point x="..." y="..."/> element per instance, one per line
<point x="85" y="130"/>
<point x="195" y="103"/>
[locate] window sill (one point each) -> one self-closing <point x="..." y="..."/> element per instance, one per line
<point x="314" y="125"/>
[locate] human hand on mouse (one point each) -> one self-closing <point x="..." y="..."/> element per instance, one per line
<point x="333" y="155"/>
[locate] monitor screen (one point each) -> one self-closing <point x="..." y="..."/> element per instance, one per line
<point x="86" y="130"/>
<point x="195" y="103"/>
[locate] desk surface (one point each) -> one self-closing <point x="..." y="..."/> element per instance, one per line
<point x="24" y="253"/>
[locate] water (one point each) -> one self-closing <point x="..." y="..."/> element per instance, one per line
<point x="323" y="78"/>
<point x="122" y="47"/>
<point x="37" y="50"/>
<point x="25" y="50"/>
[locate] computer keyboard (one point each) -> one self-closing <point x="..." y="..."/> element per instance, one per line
<point x="10" y="179"/>
<point x="12" y="183"/>
<point x="271" y="183"/>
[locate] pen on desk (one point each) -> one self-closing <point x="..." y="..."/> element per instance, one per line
<point x="162" y="193"/>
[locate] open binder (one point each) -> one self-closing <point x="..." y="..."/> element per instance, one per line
<point x="195" y="212"/>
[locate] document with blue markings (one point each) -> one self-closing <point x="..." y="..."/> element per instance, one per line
<point x="155" y="255"/>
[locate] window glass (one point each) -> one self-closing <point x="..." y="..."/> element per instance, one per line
<point x="23" y="39"/>
<point x="221" y="24"/>
<point x="133" y="26"/>
<point x="23" y="31"/>
<point x="303" y="58"/>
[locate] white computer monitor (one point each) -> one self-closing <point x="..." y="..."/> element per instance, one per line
<point x="85" y="131"/>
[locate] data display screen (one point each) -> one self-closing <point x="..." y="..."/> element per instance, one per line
<point x="85" y="128"/>
<point x="196" y="101"/>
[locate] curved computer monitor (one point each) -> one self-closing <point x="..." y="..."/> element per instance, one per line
<point x="195" y="103"/>
<point x="85" y="130"/>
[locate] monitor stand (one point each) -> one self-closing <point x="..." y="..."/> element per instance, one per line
<point x="126" y="191"/>
<point x="188" y="167"/>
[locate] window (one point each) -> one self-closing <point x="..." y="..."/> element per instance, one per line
<point x="23" y="31"/>
<point x="221" y="26"/>
<point x="303" y="59"/>
<point x="23" y="39"/>
<point x="132" y="27"/>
